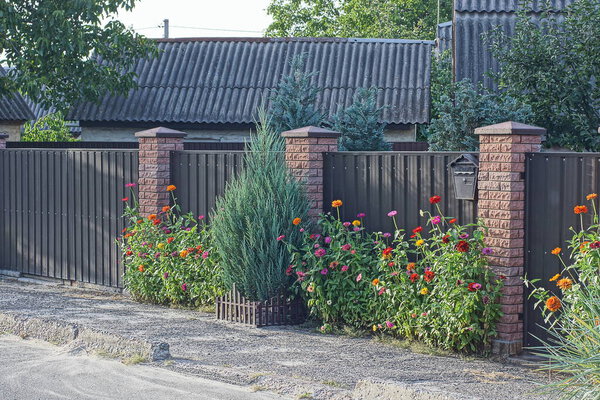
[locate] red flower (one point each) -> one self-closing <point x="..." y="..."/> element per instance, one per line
<point x="129" y="253"/>
<point x="446" y="239"/>
<point x="125" y="199"/>
<point x="435" y="199"/>
<point x="169" y="240"/>
<point x="387" y="253"/>
<point x="462" y="246"/>
<point x="156" y="222"/>
<point x="414" y="277"/>
<point x="429" y="275"/>
<point x="452" y="221"/>
<point x="474" y="286"/>
<point x="417" y="229"/>
<point x="580" y="209"/>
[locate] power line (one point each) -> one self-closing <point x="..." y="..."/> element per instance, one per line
<point x="215" y="29"/>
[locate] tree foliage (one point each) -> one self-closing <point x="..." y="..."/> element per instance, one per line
<point x="554" y="67"/>
<point x="406" y="19"/>
<point x="293" y="103"/>
<point x="49" y="128"/>
<point x="256" y="209"/>
<point x="52" y="48"/>
<point x="360" y="124"/>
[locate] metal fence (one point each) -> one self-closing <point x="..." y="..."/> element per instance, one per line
<point x="201" y="177"/>
<point x="378" y="182"/>
<point x="555" y="183"/>
<point x="234" y="146"/>
<point x="61" y="212"/>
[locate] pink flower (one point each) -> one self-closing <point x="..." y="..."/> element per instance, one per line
<point x="387" y="235"/>
<point x="320" y="252"/>
<point x="279" y="238"/>
<point x="184" y="287"/>
<point x="324" y="271"/>
<point x="361" y="215"/>
<point x="289" y="270"/>
<point x="301" y="275"/>
<point x="130" y="185"/>
<point x="424" y="314"/>
<point x="381" y="291"/>
<point x="200" y="217"/>
<point x="347" y="224"/>
<point x="392" y="213"/>
<point x="352" y="251"/>
<point x="487" y="251"/>
<point x="359" y="278"/>
<point x="345" y="268"/>
<point x="389" y="324"/>
<point x="346" y="247"/>
<point x="436" y="220"/>
<point x="205" y="255"/>
<point x="464" y="236"/>
<point x="166" y="275"/>
<point x="356" y="229"/>
<point x="394" y="273"/>
<point x="317" y="245"/>
<point x="301" y="229"/>
<point x="327" y="240"/>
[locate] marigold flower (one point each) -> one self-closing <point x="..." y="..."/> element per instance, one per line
<point x="410" y="266"/>
<point x="555" y="277"/>
<point x="435" y="199"/>
<point x="170" y="188"/>
<point x="591" y="196"/>
<point x="452" y="221"/>
<point x="564" y="283"/>
<point x="462" y="246"/>
<point x="424" y="291"/>
<point x="580" y="209"/>
<point x="141" y="268"/>
<point x="556" y="251"/>
<point x="297" y="221"/>
<point x="356" y="222"/>
<point x="166" y="209"/>
<point x="152" y="217"/>
<point x="553" y="304"/>
<point x="375" y="282"/>
<point x="336" y="203"/>
<point x="420" y="242"/>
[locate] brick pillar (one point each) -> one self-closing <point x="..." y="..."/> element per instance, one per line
<point x="501" y="207"/>
<point x="155" y="167"/>
<point x="3" y="137"/>
<point x="304" y="148"/>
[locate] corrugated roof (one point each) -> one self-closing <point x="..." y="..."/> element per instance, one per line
<point x="444" y="36"/>
<point x="473" y="19"/>
<point x="224" y="80"/>
<point x="13" y="106"/>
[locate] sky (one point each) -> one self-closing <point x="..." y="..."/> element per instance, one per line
<point x="191" y="18"/>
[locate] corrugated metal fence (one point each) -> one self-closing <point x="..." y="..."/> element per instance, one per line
<point x="378" y="182"/>
<point x="556" y="182"/>
<point x="61" y="212"/>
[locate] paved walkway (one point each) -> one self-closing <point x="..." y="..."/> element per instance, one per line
<point x="291" y="361"/>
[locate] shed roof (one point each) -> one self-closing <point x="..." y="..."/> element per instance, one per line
<point x="224" y="80"/>
<point x="13" y="106"/>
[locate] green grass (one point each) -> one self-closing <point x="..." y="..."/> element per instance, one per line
<point x="134" y="359"/>
<point x="305" y="395"/>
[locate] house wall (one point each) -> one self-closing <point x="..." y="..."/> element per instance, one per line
<point x="126" y="134"/>
<point x="12" y="128"/>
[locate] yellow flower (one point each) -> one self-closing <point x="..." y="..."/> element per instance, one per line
<point x="555" y="277"/>
<point x="336" y="203"/>
<point x="564" y="283"/>
<point x="424" y="291"/>
<point x="556" y="251"/>
<point x="297" y="221"/>
<point x="420" y="242"/>
<point x="591" y="196"/>
<point x="356" y="222"/>
<point x="375" y="282"/>
<point x="160" y="245"/>
<point x="374" y="328"/>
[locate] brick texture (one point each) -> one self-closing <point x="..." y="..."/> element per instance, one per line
<point x="501" y="208"/>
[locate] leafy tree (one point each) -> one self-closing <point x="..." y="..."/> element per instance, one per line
<point x="554" y="67"/>
<point x="293" y="102"/>
<point x="52" y="48"/>
<point x="49" y="128"/>
<point x="258" y="207"/>
<point x="406" y="19"/>
<point x="462" y="109"/>
<point x="360" y="124"/>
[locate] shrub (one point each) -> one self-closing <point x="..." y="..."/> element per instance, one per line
<point x="49" y="128"/>
<point x="572" y="312"/>
<point x="258" y="207"/>
<point x="169" y="257"/>
<point x="360" y="124"/>
<point x="446" y="296"/>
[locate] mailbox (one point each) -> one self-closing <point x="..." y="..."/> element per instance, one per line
<point x="464" y="171"/>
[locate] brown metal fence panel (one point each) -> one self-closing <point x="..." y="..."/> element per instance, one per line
<point x="378" y="182"/>
<point x="61" y="212"/>
<point x="555" y="183"/>
<point x="201" y="177"/>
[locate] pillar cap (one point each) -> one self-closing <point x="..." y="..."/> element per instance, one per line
<point x="3" y="135"/>
<point x="160" y="132"/>
<point x="510" y="128"/>
<point x="311" y="132"/>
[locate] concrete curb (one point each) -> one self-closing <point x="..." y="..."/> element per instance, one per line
<point x="385" y="390"/>
<point x="68" y="334"/>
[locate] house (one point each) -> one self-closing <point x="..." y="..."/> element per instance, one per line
<point x="473" y="20"/>
<point x="211" y="87"/>
<point x="14" y="112"/>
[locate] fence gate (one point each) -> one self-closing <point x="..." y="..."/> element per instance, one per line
<point x="555" y="183"/>
<point x="61" y="212"/>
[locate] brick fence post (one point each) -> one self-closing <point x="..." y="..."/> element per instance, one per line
<point x="304" y="148"/>
<point x="501" y="207"/>
<point x="3" y="137"/>
<point x="155" y="166"/>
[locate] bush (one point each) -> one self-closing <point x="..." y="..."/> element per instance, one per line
<point x="49" y="128"/>
<point x="169" y="258"/>
<point x="360" y="124"/>
<point x="446" y="297"/>
<point x="572" y="313"/>
<point x="259" y="206"/>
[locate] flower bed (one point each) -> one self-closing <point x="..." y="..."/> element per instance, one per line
<point x="432" y="284"/>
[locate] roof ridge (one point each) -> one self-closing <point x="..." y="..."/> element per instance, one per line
<point x="292" y="39"/>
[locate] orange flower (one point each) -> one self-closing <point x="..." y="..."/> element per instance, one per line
<point x="139" y="221"/>
<point x="152" y="217"/>
<point x="556" y="251"/>
<point x="591" y="196"/>
<point x="410" y="266"/>
<point x="582" y="246"/>
<point x="297" y="221"/>
<point x="336" y="203"/>
<point x="183" y="253"/>
<point x="580" y="209"/>
<point x="166" y="209"/>
<point x="553" y="303"/>
<point x="141" y="268"/>
<point x="564" y="283"/>
<point x="156" y="221"/>
<point x="170" y="188"/>
<point x="169" y="240"/>
<point x="375" y="282"/>
<point x="555" y="277"/>
<point x="452" y="221"/>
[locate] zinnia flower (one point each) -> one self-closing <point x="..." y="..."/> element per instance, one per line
<point x="435" y="199"/>
<point x="361" y="215"/>
<point x="327" y="240"/>
<point x="320" y="252"/>
<point x="130" y="185"/>
<point x="310" y="288"/>
<point x="152" y="217"/>
<point x="324" y="271"/>
<point x="556" y="251"/>
<point x="436" y="220"/>
<point x="346" y="247"/>
<point x="183" y="253"/>
<point x="414" y="277"/>
<point x="170" y="188"/>
<point x="297" y="221"/>
<point x="375" y="282"/>
<point x="487" y="251"/>
<point x="125" y="199"/>
<point x="184" y="287"/>
<point x="166" y="275"/>
<point x="474" y="286"/>
<point x="424" y="291"/>
<point x="346" y="224"/>
<point x="389" y="324"/>
<point x="410" y="266"/>
<point x="564" y="283"/>
<point x="336" y="203"/>
<point x="356" y="222"/>
<point x="428" y="276"/>
<point x="280" y="238"/>
<point x="446" y="239"/>
<point x="420" y="242"/>
<point x="392" y="213"/>
<point x="166" y="209"/>
<point x="553" y="303"/>
<point x="200" y="217"/>
<point x="358" y="277"/>
<point x="345" y="268"/>
<point x="417" y="229"/>
<point x="555" y="277"/>
<point x="381" y="291"/>
<point x="205" y="255"/>
<point x="591" y="196"/>
<point x="141" y="268"/>
<point x="462" y="246"/>
<point x="452" y="221"/>
<point x="580" y="209"/>
<point x="387" y="235"/>
<point x="595" y="245"/>
<point x="387" y="253"/>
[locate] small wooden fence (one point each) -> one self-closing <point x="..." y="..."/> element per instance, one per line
<point x="278" y="310"/>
